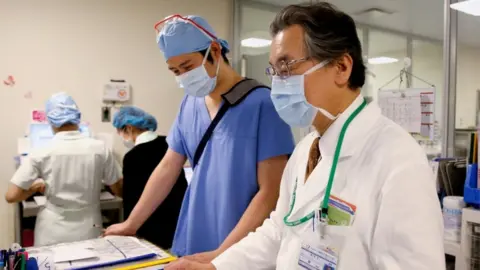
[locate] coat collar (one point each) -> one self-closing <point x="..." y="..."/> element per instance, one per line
<point x="69" y="135"/>
<point x="146" y="137"/>
<point x="355" y="138"/>
<point x="357" y="128"/>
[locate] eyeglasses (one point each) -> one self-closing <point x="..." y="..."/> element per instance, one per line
<point x="159" y="25"/>
<point x="284" y="69"/>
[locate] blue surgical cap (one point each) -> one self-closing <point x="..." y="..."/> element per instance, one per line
<point x="61" y="109"/>
<point x="179" y="37"/>
<point x="136" y="117"/>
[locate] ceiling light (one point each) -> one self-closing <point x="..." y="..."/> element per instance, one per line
<point x="256" y="42"/>
<point x="471" y="7"/>
<point x="373" y="13"/>
<point x="382" y="60"/>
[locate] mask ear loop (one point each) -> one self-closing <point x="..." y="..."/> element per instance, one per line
<point x="218" y="66"/>
<point x="206" y="55"/>
<point x="315" y="68"/>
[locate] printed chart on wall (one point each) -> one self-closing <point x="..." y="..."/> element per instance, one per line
<point x="412" y="108"/>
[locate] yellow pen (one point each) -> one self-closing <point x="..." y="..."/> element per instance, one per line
<point x="148" y="264"/>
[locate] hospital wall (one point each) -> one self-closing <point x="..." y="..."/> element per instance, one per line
<point x="77" y="47"/>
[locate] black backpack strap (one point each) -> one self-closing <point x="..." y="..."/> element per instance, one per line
<point x="232" y="98"/>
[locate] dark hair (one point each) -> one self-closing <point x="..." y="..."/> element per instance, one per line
<point x="210" y="58"/>
<point x="329" y="34"/>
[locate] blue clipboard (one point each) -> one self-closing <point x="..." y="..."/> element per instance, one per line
<point x="117" y="262"/>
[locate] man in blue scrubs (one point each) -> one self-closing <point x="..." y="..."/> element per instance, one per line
<point x="236" y="181"/>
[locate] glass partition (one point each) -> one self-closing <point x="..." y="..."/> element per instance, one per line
<point x="386" y="53"/>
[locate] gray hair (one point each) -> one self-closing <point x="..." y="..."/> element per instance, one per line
<point x="329" y="34"/>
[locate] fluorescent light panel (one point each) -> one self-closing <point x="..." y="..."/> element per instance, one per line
<point x="256" y="42"/>
<point x="471" y="7"/>
<point x="382" y="60"/>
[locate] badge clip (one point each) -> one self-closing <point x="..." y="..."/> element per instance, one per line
<point x="323" y="221"/>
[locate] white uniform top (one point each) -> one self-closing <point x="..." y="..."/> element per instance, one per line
<point x="73" y="167"/>
<point x="385" y="173"/>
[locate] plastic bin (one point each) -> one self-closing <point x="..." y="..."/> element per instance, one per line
<point x="471" y="194"/>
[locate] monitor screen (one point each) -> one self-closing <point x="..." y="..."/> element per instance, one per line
<point x="41" y="134"/>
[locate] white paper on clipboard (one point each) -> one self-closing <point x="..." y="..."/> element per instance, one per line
<point x="412" y="108"/>
<point x="403" y="110"/>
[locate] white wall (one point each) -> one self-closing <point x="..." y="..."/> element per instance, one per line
<point x="468" y="82"/>
<point x="77" y="46"/>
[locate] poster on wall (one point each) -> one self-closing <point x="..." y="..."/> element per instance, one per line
<point x="39" y="116"/>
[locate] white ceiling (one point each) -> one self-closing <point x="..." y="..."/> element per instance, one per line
<point x="418" y="17"/>
<point x="380" y="42"/>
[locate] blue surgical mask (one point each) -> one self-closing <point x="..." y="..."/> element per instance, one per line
<point x="197" y="82"/>
<point x="288" y="96"/>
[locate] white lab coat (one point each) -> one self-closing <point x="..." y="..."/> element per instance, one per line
<point x="385" y="173"/>
<point x="73" y="167"/>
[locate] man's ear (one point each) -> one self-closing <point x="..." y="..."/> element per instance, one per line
<point x="216" y="50"/>
<point x="343" y="67"/>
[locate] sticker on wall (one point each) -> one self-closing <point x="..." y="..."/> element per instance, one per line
<point x="9" y="81"/>
<point x="28" y="95"/>
<point x="38" y="116"/>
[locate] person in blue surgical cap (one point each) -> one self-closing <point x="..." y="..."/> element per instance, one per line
<point x="235" y="182"/>
<point x="72" y="167"/>
<point x="137" y="128"/>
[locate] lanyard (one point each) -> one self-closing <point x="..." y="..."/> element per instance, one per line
<point x="324" y="205"/>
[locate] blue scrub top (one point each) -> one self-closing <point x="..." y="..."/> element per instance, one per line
<point x="225" y="178"/>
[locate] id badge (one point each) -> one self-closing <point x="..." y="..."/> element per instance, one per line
<point x="316" y="252"/>
<point x="317" y="258"/>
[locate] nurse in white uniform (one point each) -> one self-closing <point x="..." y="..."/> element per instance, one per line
<point x="358" y="192"/>
<point x="72" y="167"/>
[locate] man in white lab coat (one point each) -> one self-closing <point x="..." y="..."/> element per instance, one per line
<point x="358" y="192"/>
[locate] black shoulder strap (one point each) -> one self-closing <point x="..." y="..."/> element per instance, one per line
<point x="232" y="98"/>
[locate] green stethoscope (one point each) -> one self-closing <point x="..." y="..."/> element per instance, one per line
<point x="324" y="205"/>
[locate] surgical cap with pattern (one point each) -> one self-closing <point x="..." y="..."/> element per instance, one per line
<point x="61" y="109"/>
<point x="179" y="37"/>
